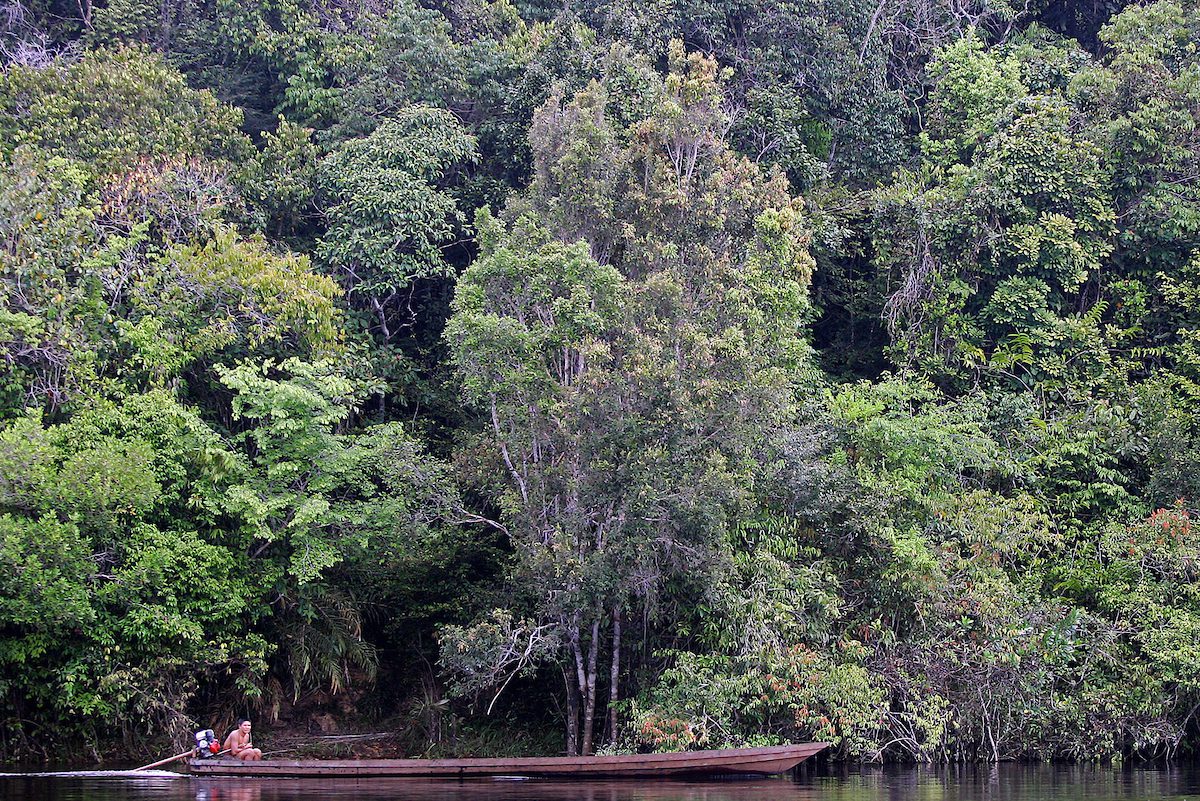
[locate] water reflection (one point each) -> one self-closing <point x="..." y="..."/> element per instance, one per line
<point x="994" y="783"/>
<point x="1008" y="783"/>
<point x="485" y="790"/>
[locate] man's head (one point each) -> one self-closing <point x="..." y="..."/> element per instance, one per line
<point x="244" y="725"/>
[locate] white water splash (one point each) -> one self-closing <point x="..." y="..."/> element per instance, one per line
<point x="99" y="774"/>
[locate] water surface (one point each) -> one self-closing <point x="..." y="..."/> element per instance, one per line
<point x="984" y="783"/>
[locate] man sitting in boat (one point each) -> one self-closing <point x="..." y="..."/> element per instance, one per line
<point x="238" y="743"/>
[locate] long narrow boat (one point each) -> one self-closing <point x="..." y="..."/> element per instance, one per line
<point x="732" y="761"/>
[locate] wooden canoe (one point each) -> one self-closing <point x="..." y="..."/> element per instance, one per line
<point x="732" y="761"/>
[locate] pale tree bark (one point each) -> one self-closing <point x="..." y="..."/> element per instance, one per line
<point x="582" y="690"/>
<point x="613" y="680"/>
<point x="589" y="710"/>
<point x="572" y="713"/>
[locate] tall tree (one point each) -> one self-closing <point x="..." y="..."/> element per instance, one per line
<point x="630" y="378"/>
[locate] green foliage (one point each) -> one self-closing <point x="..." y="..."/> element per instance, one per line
<point x="228" y="237"/>
<point x="531" y="313"/>
<point x="387" y="219"/>
<point x="96" y="291"/>
<point x="47" y="229"/>
<point x="716" y="701"/>
<point x="494" y="650"/>
<point x="45" y="589"/>
<point x="412" y="59"/>
<point x="320" y="500"/>
<point x="281" y="183"/>
<point x="1034" y="200"/>
<point x="112" y="108"/>
<point x="971" y="90"/>
<point x="230" y="293"/>
<point x="547" y="336"/>
<point x="117" y="614"/>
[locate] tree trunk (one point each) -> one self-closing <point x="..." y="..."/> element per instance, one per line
<point x="576" y="690"/>
<point x="589" y="690"/>
<point x="572" y="713"/>
<point x="613" y="692"/>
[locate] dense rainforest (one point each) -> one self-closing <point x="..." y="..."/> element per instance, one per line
<point x="610" y="376"/>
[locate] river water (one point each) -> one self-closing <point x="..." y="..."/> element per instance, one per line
<point x="996" y="783"/>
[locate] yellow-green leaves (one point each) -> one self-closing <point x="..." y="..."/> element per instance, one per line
<point x="113" y="107"/>
<point x="971" y="88"/>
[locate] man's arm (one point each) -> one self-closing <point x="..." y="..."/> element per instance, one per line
<point x="233" y="743"/>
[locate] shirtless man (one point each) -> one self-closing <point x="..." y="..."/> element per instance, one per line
<point x="238" y="743"/>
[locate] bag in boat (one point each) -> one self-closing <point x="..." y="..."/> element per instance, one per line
<point x="207" y="744"/>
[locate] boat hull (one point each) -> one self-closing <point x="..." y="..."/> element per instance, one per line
<point x="733" y="761"/>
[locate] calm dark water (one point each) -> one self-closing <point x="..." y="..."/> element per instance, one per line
<point x="1001" y="783"/>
